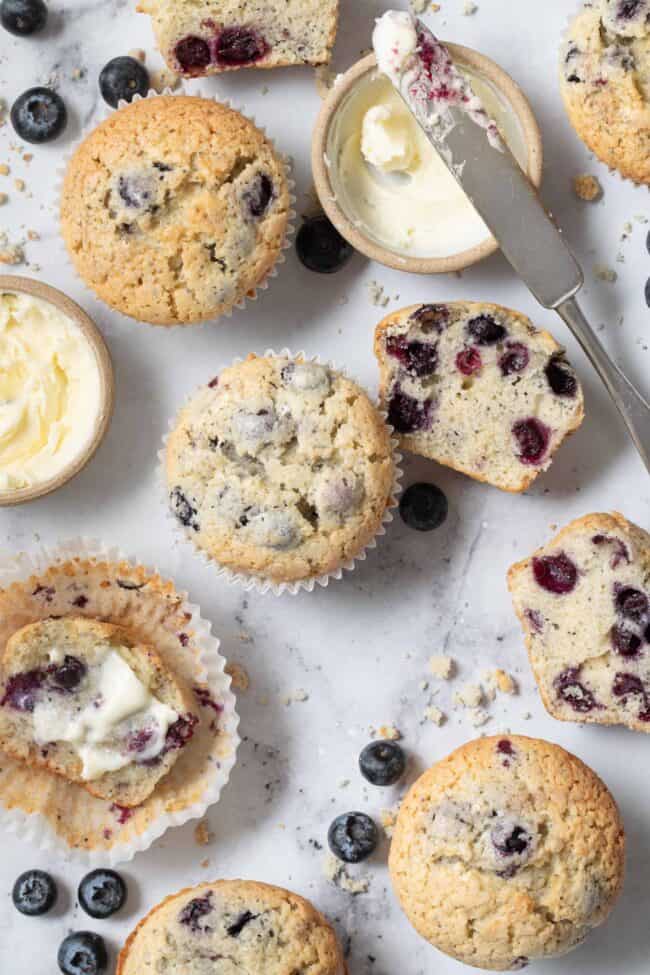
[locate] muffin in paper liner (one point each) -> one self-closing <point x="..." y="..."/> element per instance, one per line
<point x="85" y="578"/>
<point x="620" y="109"/>
<point x="289" y="230"/>
<point x="260" y="583"/>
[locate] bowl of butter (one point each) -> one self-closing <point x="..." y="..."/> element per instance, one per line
<point x="386" y="189"/>
<point x="56" y="389"/>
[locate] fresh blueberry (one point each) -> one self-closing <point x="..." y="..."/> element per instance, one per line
<point x="485" y="330"/>
<point x="407" y="414"/>
<point x="39" y="115"/>
<point x="34" y="893"/>
<point x="532" y="437"/>
<point x="237" y="46"/>
<point x="555" y="573"/>
<point x="419" y="359"/>
<point x="514" y="359"/>
<point x="320" y="246"/>
<point x="23" y="17"/>
<point x="560" y="378"/>
<point x="382" y="762"/>
<point x="101" y="893"/>
<point x="573" y="692"/>
<point x="82" y="953"/>
<point x="423" y="507"/>
<point x="193" y="54"/>
<point x="632" y="604"/>
<point x="468" y="361"/>
<point x="121" y="79"/>
<point x="352" y="837"/>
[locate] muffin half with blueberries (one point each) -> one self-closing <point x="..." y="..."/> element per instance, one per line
<point x="478" y="388"/>
<point x="226" y="35"/>
<point x="280" y="469"/>
<point x="175" y="209"/>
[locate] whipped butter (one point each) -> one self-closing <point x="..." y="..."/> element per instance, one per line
<point x="50" y="391"/>
<point x="110" y="722"/>
<point x="389" y="180"/>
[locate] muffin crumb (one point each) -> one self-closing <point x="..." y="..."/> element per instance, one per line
<point x="469" y="696"/>
<point x="239" y="676"/>
<point x="587" y="187"/>
<point x="202" y="833"/>
<point x="441" y="667"/>
<point x="336" y="872"/>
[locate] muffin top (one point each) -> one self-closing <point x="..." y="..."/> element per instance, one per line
<point x="254" y="927"/>
<point x="174" y="209"/>
<point x="605" y="71"/>
<point x="509" y="849"/>
<point x="280" y="468"/>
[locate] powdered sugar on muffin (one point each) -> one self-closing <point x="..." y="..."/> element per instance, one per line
<point x="584" y="603"/>
<point x="476" y="387"/>
<point x="211" y="36"/>
<point x="280" y="469"/>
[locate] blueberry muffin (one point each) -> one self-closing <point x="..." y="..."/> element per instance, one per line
<point x="253" y="927"/>
<point x="605" y="67"/>
<point x="584" y="603"/>
<point x="508" y="850"/>
<point x="175" y="209"/>
<point x="280" y="469"/>
<point x="476" y="387"/>
<point x="87" y="701"/>
<point x="224" y="35"/>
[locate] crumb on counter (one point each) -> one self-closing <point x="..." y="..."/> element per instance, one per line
<point x="388" y="732"/>
<point x="377" y="295"/>
<point x="164" y="79"/>
<point x="478" y="716"/>
<point x="239" y="676"/>
<point x="469" y="8"/>
<point x="12" y="255"/>
<point x="434" y="715"/>
<point x="4" y="169"/>
<point x="441" y="667"/>
<point x="469" y="696"/>
<point x="388" y="819"/>
<point x="604" y="273"/>
<point x="3" y="198"/>
<point x="336" y="872"/>
<point x="202" y="833"/>
<point x="587" y="187"/>
<point x="296" y="697"/>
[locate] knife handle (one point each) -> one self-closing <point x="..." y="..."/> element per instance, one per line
<point x="629" y="402"/>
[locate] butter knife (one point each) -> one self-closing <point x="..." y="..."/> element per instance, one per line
<point x="459" y="129"/>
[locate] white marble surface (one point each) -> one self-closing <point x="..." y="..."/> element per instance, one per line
<point x="360" y="648"/>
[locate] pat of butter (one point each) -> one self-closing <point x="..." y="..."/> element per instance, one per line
<point x="387" y="139"/>
<point x="50" y="391"/>
<point x="111" y="705"/>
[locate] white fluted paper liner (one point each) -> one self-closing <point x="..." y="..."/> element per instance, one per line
<point x="86" y="578"/>
<point x="252" y="294"/>
<point x="258" y="583"/>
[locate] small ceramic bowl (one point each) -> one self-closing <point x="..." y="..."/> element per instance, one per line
<point x="37" y="289"/>
<point x="325" y="148"/>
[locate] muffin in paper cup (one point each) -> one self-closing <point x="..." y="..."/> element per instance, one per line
<point x="83" y="578"/>
<point x="281" y="471"/>
<point x="166" y="227"/>
<point x="604" y="60"/>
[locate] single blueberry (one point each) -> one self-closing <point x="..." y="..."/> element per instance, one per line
<point x="34" y="893"/>
<point x="419" y="359"/>
<point x="625" y="641"/>
<point x="23" y="17"/>
<point x="555" y="573"/>
<point x="320" y="247"/>
<point x="468" y="361"/>
<point x="632" y="603"/>
<point x="573" y="692"/>
<point x="532" y="437"/>
<point x="407" y="414"/>
<point x="39" y="115"/>
<point x="121" y="79"/>
<point x="180" y="732"/>
<point x="68" y="675"/>
<point x="514" y="359"/>
<point x="236" y="928"/>
<point x="193" y="54"/>
<point x="82" y="953"/>
<point x="191" y="916"/>
<point x="258" y="196"/>
<point x="382" y="762"/>
<point x="560" y="378"/>
<point x="431" y="318"/>
<point x="21" y="690"/>
<point x="183" y="509"/>
<point x="352" y="837"/>
<point x="423" y="507"/>
<point x="101" y="893"/>
<point x="485" y="330"/>
<point x="237" y="46"/>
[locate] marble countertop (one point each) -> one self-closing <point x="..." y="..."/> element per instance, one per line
<point x="358" y="649"/>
